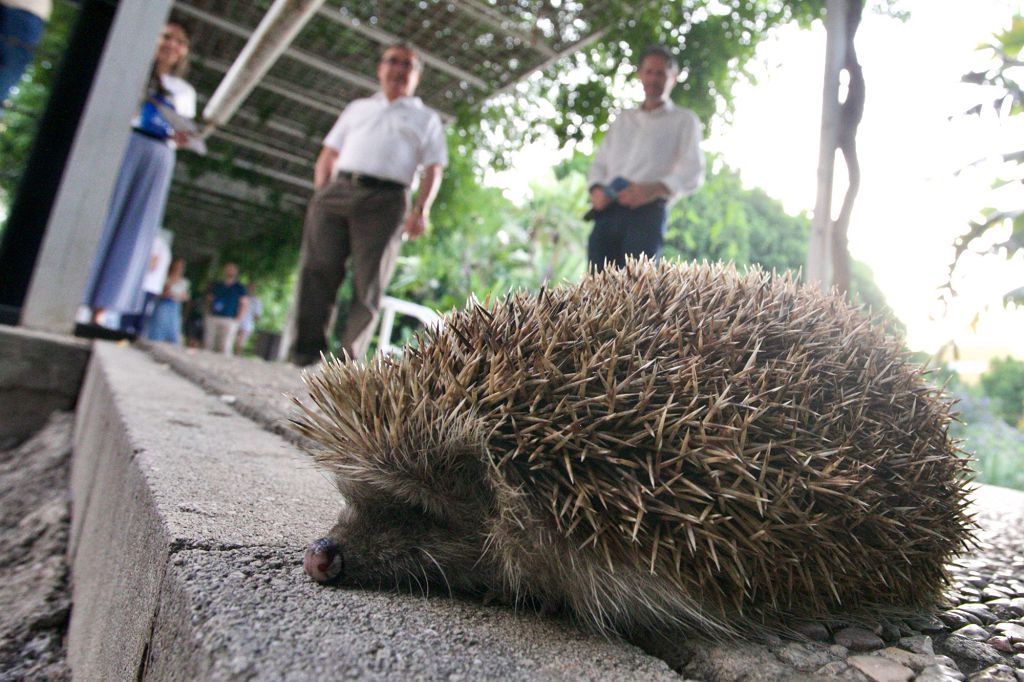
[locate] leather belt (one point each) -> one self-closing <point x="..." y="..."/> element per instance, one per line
<point x="146" y="133"/>
<point x="370" y="181"/>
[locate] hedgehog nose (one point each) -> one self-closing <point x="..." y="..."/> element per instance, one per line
<point x="324" y="562"/>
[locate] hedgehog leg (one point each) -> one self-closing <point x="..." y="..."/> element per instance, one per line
<point x="324" y="562"/>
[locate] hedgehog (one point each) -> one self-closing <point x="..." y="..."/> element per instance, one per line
<point x="661" y="445"/>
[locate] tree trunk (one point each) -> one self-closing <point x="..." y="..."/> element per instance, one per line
<point x="828" y="259"/>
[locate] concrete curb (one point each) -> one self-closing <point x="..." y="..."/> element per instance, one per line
<point x="39" y="374"/>
<point x="188" y="527"/>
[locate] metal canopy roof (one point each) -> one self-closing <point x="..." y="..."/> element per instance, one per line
<point x="258" y="173"/>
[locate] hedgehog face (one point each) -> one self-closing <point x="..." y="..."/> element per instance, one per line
<point x="388" y="544"/>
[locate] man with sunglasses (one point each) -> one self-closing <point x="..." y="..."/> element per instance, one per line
<point x="361" y="207"/>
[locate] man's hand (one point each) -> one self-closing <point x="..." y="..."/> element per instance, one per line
<point x="639" y="193"/>
<point x="598" y="199"/>
<point x="323" y="166"/>
<point x="415" y="224"/>
<point x="416" y="221"/>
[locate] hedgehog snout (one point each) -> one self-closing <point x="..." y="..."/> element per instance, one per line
<point x="324" y="562"/>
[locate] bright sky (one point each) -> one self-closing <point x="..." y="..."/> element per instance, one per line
<point x="911" y="203"/>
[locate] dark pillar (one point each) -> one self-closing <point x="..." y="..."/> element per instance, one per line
<point x="40" y="181"/>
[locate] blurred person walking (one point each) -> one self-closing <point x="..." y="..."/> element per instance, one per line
<point x="165" y="323"/>
<point x="253" y="313"/>
<point x="226" y="305"/>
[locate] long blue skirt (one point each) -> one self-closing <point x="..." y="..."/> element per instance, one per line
<point x="136" y="211"/>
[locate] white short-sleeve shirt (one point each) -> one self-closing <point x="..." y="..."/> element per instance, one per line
<point x="390" y="140"/>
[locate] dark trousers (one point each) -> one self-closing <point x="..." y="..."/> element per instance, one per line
<point x="620" y="231"/>
<point x="345" y="224"/>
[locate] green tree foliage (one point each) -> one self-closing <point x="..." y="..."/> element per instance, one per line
<point x="575" y="97"/>
<point x="482" y="244"/>
<point x="1001" y="84"/>
<point x="725" y="221"/>
<point x="1003" y="383"/>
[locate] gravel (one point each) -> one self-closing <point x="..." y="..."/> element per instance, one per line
<point x="34" y="520"/>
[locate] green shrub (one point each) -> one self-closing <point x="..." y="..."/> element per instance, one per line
<point x="1004" y="384"/>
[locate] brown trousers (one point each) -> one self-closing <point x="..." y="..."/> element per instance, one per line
<point x="345" y="221"/>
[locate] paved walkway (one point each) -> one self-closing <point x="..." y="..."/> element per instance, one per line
<point x="988" y="595"/>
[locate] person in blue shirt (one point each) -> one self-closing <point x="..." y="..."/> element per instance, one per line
<point x="226" y="305"/>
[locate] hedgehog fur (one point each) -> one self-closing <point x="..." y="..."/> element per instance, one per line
<point x="660" y="445"/>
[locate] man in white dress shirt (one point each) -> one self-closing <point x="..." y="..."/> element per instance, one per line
<point x="650" y="157"/>
<point x="361" y="207"/>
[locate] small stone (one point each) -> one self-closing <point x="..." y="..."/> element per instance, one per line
<point x="916" y="662"/>
<point x="939" y="673"/>
<point x="954" y="619"/>
<point x="814" y="631"/>
<point x="995" y="673"/>
<point x="890" y="632"/>
<point x="881" y="669"/>
<point x="858" y="639"/>
<point x="980" y="652"/>
<point x="803" y="657"/>
<point x="835" y="669"/>
<point x="1006" y="609"/>
<point x="1018" y="661"/>
<point x="980" y="611"/>
<point x="1012" y="631"/>
<point x="975" y="632"/>
<point x="918" y="644"/>
<point x="926" y="624"/>
<point x="1000" y="643"/>
<point x="995" y="592"/>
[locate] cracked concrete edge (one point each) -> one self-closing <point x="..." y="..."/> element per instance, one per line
<point x="39" y="373"/>
<point x="146" y="481"/>
<point x="189" y="523"/>
<point x="117" y="551"/>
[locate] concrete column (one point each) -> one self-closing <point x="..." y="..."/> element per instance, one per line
<point x="76" y="221"/>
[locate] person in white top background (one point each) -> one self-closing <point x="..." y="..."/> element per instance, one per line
<point x="649" y="157"/>
<point x="361" y="209"/>
<point x="140" y="194"/>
